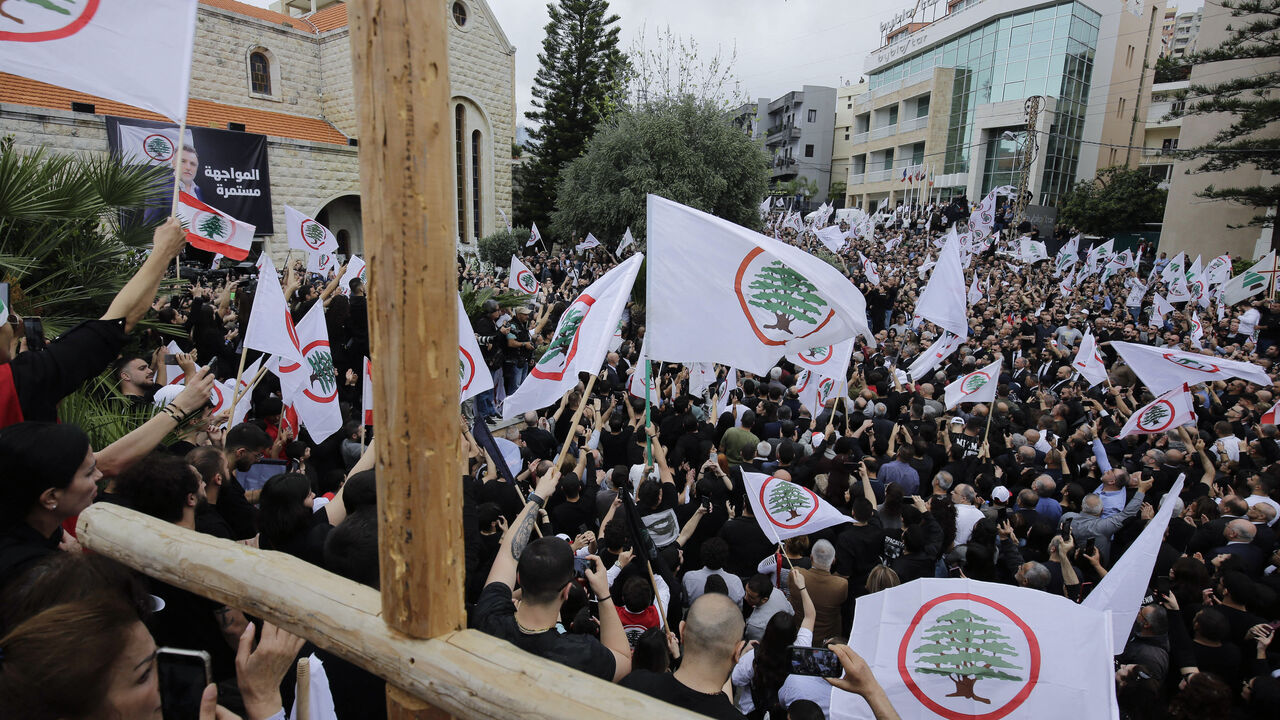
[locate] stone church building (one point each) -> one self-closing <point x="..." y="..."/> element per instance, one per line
<point x="285" y="73"/>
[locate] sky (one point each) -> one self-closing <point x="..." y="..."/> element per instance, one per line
<point x="781" y="44"/>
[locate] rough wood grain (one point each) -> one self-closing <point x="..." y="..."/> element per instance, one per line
<point x="399" y="52"/>
<point x="466" y="673"/>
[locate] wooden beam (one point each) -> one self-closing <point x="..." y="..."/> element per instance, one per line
<point x="466" y="673"/>
<point x="399" y="51"/>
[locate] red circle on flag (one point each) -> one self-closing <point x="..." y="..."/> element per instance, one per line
<point x="520" y="282"/>
<point x="1173" y="414"/>
<point x="71" y="28"/>
<point x="218" y="392"/>
<point x="764" y="485"/>
<point x="1033" y="647"/>
<point x="965" y="382"/>
<point x="746" y="310"/>
<point x="306" y="239"/>
<point x="1175" y="360"/>
<point x="830" y="351"/>
<point x="146" y="148"/>
<point x="588" y="301"/>
<point x="470" y="362"/>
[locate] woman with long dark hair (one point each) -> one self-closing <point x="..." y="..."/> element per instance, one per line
<point x="286" y="521"/>
<point x="763" y="669"/>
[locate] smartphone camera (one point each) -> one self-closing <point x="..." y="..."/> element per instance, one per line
<point x="580" y="566"/>
<point x="814" y="662"/>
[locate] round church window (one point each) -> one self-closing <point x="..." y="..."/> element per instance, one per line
<point x="460" y="14"/>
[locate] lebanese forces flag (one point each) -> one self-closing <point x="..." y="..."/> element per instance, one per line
<point x="1269" y="417"/>
<point x="785" y="509"/>
<point x="473" y="375"/>
<point x="133" y="51"/>
<point x="933" y="357"/>
<point x="366" y="394"/>
<point x="637" y="382"/>
<point x="356" y="268"/>
<point x="977" y="386"/>
<point x="579" y="342"/>
<point x="270" y="327"/>
<point x="1171" y="410"/>
<point x="958" y="648"/>
<point x="520" y="278"/>
<point x="306" y="234"/>
<point x="1087" y="361"/>
<point x="1164" y="369"/>
<point x="766" y="297"/>
<point x="311" y="385"/>
<point x="213" y="230"/>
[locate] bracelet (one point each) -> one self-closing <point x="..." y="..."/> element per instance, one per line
<point x="606" y="597"/>
<point x="534" y="498"/>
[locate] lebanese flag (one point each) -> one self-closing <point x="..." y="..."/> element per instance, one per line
<point x="869" y="269"/>
<point x="355" y="269"/>
<point x="785" y="509"/>
<point x="311" y="386"/>
<point x="977" y="386"/>
<point x="213" y="230"/>
<point x="136" y="52"/>
<point x="534" y="235"/>
<point x="520" y="278"/>
<point x="366" y="396"/>
<point x="270" y="327"/>
<point x="473" y="375"/>
<point x="933" y="357"/>
<point x="579" y="342"/>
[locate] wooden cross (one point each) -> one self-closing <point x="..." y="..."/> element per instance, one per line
<point x="411" y="634"/>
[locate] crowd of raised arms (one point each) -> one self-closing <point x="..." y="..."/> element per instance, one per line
<point x="636" y="557"/>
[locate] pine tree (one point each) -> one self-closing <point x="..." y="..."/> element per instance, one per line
<point x="564" y="335"/>
<point x="1250" y="97"/>
<point x="964" y="648"/>
<point x="1154" y="415"/>
<point x="787" y="294"/>
<point x="46" y="4"/>
<point x="212" y="227"/>
<point x="787" y="497"/>
<point x="159" y="147"/>
<point x="322" y="370"/>
<point x="580" y="82"/>
<point x="974" y="383"/>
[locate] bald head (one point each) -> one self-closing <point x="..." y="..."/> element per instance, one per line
<point x="713" y="628"/>
<point x="1240" y="530"/>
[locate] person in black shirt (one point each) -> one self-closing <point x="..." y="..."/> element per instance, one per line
<point x="711" y="642"/>
<point x="545" y="571"/>
<point x="32" y="382"/>
<point x="244" y="445"/>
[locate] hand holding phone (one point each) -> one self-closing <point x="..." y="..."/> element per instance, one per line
<point x="814" y="662"/>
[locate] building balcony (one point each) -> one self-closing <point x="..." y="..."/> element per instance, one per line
<point x="884" y="132"/>
<point x="913" y="124"/>
<point x="879" y="175"/>
<point x="796" y="96"/>
<point x="857" y="178"/>
<point x="859" y="138"/>
<point x="781" y="133"/>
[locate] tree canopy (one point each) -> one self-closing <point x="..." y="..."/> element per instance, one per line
<point x="683" y="150"/>
<point x="1250" y="98"/>
<point x="581" y="80"/>
<point x="1117" y="199"/>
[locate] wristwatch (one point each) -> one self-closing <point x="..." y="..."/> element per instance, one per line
<point x="534" y="498"/>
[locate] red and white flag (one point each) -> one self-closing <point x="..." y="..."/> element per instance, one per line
<point x="520" y="278"/>
<point x="933" y="357"/>
<point x="1087" y="361"/>
<point x="977" y="386"/>
<point x="213" y="230"/>
<point x="637" y="383"/>
<point x="306" y="234"/>
<point x="355" y="269"/>
<point x="311" y="385"/>
<point x="869" y="269"/>
<point x="1171" y="410"/>
<point x="1269" y="417"/>
<point x="534" y="236"/>
<point x="964" y="649"/>
<point x="579" y="341"/>
<point x="826" y="360"/>
<point x="785" y="509"/>
<point x="1164" y="369"/>
<point x="366" y="395"/>
<point x="473" y="375"/>
<point x="132" y="51"/>
<point x="270" y="327"/>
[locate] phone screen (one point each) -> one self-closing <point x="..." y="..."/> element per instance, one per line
<point x="184" y="674"/>
<point x="817" y="662"/>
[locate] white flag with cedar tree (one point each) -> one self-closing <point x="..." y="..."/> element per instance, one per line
<point x="306" y="234"/>
<point x="977" y="386"/>
<point x="785" y="509"/>
<point x="473" y="375"/>
<point x="520" y="278"/>
<point x="1171" y="410"/>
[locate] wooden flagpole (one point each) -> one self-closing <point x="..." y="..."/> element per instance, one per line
<point x="577" y="415"/>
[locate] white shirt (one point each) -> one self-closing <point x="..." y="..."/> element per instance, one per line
<point x="806" y="687"/>
<point x="696" y="580"/>
<point x="966" y="517"/>
<point x="745" y="670"/>
<point x="760" y="617"/>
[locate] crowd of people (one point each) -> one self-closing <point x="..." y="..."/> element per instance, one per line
<point x="635" y="556"/>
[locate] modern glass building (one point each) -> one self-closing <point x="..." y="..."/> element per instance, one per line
<point x="961" y="82"/>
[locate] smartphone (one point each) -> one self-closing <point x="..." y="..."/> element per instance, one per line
<point x="1163" y="585"/>
<point x="170" y="359"/>
<point x="184" y="674"/>
<point x="1089" y="547"/>
<point x="815" y="662"/>
<point x="580" y="565"/>
<point x="34" y="329"/>
<point x="1066" y="528"/>
<point x="1002" y="514"/>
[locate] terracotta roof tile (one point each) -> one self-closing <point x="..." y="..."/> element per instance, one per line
<point x="330" y="18"/>
<point x="270" y="16"/>
<point x="203" y="113"/>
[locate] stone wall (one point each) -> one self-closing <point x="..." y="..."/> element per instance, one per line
<point x="339" y="102"/>
<point x="220" y="63"/>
